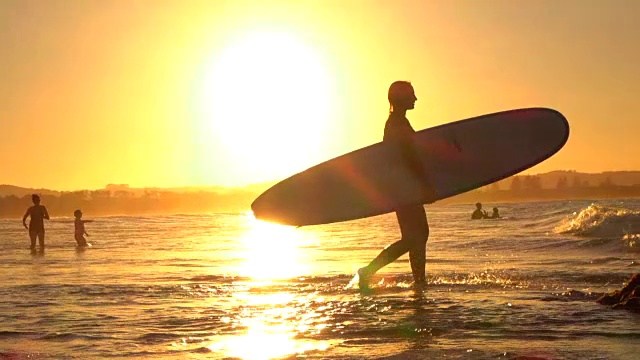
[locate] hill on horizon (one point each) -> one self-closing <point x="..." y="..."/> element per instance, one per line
<point x="548" y="180"/>
<point x="551" y="179"/>
<point x="14" y="190"/>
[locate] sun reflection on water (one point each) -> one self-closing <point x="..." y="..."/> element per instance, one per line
<point x="272" y="323"/>
<point x="275" y="324"/>
<point x="273" y="252"/>
<point x="266" y="341"/>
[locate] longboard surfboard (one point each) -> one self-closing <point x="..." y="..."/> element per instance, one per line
<point x="374" y="180"/>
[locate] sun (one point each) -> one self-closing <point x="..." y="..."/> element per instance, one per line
<point x="266" y="100"/>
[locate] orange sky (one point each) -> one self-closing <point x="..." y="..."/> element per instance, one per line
<point x="176" y="93"/>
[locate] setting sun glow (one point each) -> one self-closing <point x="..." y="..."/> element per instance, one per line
<point x="266" y="99"/>
<point x="233" y="93"/>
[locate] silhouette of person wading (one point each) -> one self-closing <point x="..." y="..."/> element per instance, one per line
<point x="37" y="213"/>
<point x="478" y="213"/>
<point x="413" y="218"/>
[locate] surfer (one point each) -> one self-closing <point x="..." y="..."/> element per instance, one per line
<point x="37" y="214"/>
<point x="495" y="214"/>
<point x="79" y="229"/>
<point x="414" y="228"/>
<point x="478" y="213"/>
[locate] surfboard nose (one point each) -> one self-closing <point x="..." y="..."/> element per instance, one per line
<point x="267" y="208"/>
<point x="548" y="128"/>
<point x="261" y="209"/>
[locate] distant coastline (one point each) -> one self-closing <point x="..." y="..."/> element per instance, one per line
<point x="120" y="199"/>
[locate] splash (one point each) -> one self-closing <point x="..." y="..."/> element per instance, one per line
<point x="632" y="241"/>
<point x="603" y="222"/>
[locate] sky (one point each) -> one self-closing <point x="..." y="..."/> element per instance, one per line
<point x="230" y="93"/>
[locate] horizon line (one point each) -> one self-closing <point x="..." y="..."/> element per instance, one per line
<point x="267" y="183"/>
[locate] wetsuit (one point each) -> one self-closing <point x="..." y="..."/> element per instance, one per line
<point x="413" y="218"/>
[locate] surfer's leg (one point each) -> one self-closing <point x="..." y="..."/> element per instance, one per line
<point x="419" y="234"/>
<point x="408" y="219"/>
<point x="386" y="257"/>
<point x="417" y="248"/>
<point x="418" y="259"/>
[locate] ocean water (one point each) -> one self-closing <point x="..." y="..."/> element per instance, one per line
<point x="225" y="286"/>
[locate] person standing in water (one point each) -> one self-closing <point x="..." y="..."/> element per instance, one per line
<point x="412" y="219"/>
<point x="478" y="213"/>
<point x="37" y="214"/>
<point x="80" y="231"/>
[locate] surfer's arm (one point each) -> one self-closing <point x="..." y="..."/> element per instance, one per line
<point x="412" y="161"/>
<point x="416" y="166"/>
<point x="46" y="213"/>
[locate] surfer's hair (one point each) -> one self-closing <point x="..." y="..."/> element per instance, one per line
<point x="35" y="198"/>
<point x="397" y="91"/>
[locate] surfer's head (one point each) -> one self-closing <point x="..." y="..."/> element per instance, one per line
<point x="35" y="198"/>
<point x="478" y="205"/>
<point x="401" y="96"/>
<point x="77" y="214"/>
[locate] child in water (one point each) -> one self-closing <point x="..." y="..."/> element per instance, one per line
<point x="80" y="231"/>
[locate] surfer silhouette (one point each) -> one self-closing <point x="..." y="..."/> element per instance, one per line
<point x="495" y="214"/>
<point x="80" y="231"/>
<point x="478" y="213"/>
<point x="414" y="228"/>
<point x="37" y="213"/>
